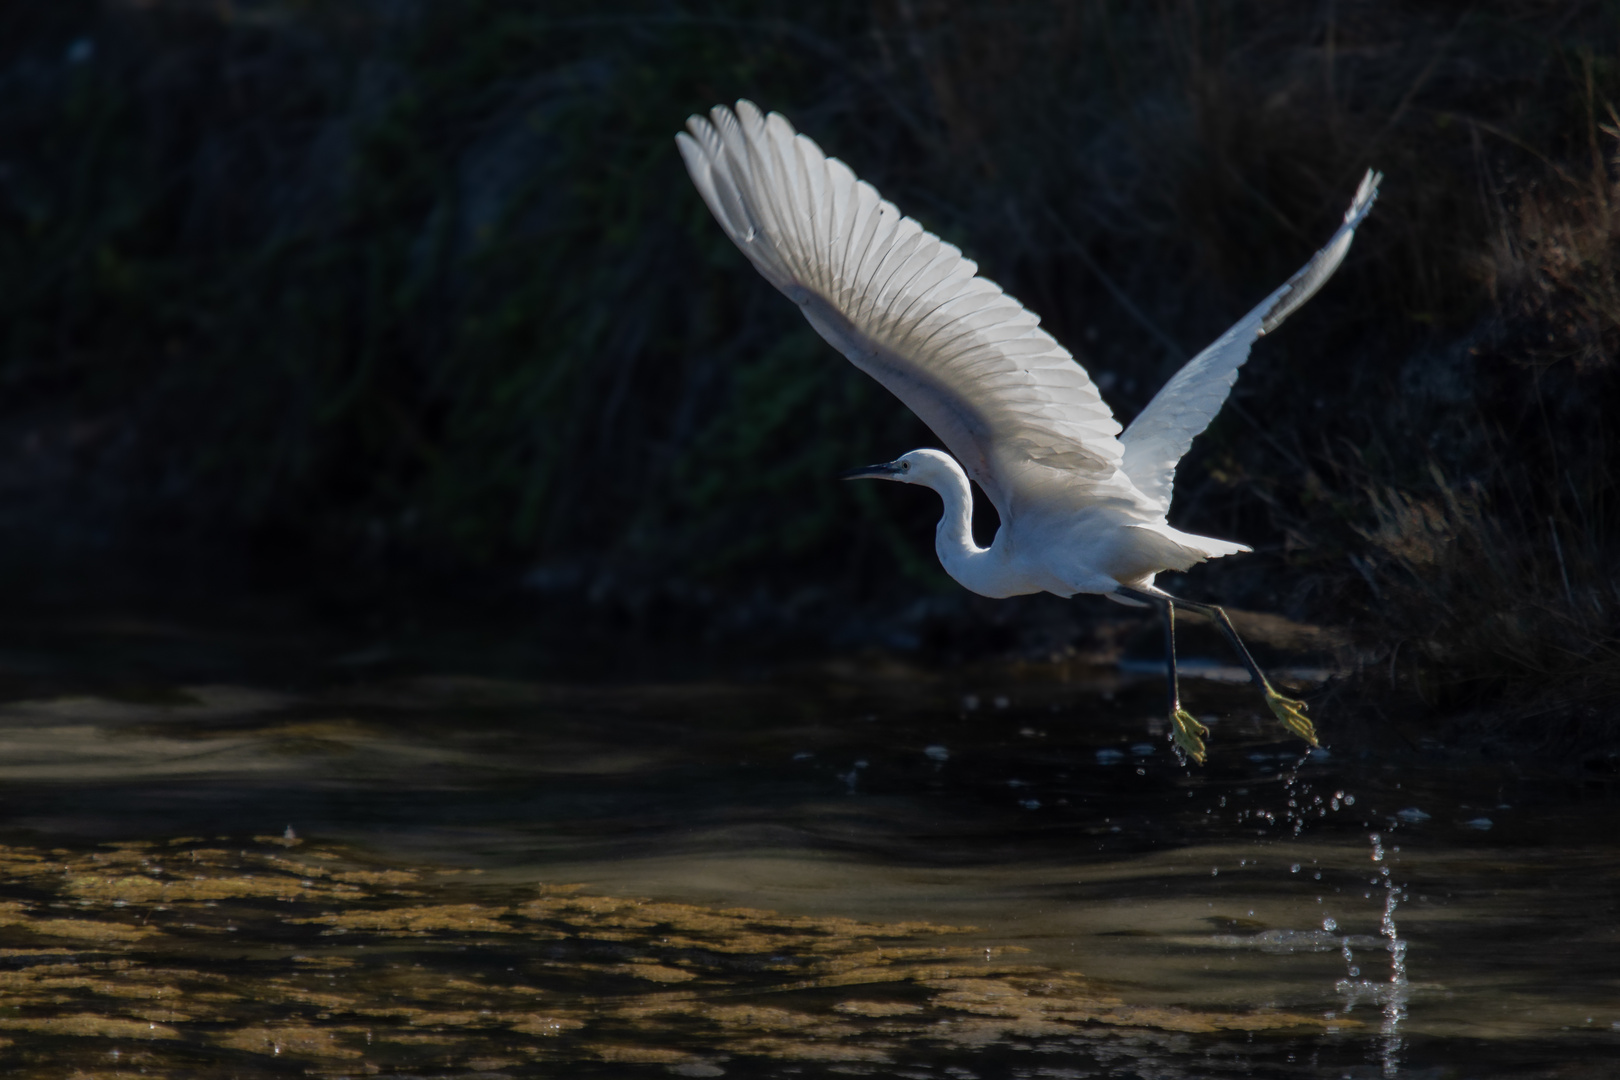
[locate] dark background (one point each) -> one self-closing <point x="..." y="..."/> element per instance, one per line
<point x="405" y="310"/>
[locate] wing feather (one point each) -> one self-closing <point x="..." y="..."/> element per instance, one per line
<point x="1161" y="434"/>
<point x="908" y="309"/>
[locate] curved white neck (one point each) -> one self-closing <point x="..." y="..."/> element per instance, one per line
<point x="967" y="562"/>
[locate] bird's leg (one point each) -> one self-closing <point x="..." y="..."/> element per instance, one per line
<point x="1185" y="728"/>
<point x="1189" y="733"/>
<point x="1289" y="710"/>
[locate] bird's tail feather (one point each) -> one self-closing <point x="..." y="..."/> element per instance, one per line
<point x="1176" y="550"/>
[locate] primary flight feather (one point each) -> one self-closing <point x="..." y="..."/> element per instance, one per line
<point x="1083" y="507"/>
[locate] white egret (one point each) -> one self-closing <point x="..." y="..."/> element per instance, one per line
<point x="1083" y="505"/>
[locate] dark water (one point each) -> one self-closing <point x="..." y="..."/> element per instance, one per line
<point x="845" y="870"/>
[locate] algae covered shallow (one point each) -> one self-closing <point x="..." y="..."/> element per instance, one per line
<point x="844" y="871"/>
<point x="270" y="953"/>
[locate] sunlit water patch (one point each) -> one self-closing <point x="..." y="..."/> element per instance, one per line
<point x="276" y="953"/>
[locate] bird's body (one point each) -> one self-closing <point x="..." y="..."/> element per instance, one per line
<point x="1093" y="548"/>
<point x="1083" y="505"/>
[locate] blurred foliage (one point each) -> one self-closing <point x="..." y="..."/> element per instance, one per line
<point x="427" y="277"/>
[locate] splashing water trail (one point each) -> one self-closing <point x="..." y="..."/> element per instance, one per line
<point x="1296" y="791"/>
<point x="1395" y="1002"/>
<point x="1392" y="995"/>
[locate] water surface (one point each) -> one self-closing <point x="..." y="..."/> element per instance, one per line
<point x="841" y="870"/>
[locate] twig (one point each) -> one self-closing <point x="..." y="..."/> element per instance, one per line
<point x="1563" y="571"/>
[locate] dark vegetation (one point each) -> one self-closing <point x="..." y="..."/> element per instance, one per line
<point x="409" y="288"/>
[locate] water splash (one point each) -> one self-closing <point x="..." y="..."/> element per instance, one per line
<point x="1395" y="1002"/>
<point x="1392" y="995"/>
<point x="1301" y="803"/>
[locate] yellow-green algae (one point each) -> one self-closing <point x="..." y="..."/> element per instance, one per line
<point x="263" y="955"/>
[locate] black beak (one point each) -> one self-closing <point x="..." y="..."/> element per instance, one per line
<point x="886" y="471"/>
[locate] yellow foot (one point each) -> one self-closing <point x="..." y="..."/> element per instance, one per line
<point x="1292" y="714"/>
<point x="1189" y="734"/>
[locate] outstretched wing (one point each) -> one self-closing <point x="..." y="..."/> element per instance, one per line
<point x="906" y="308"/>
<point x="1183" y="408"/>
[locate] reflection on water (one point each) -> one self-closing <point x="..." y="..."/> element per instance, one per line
<point x="839" y="872"/>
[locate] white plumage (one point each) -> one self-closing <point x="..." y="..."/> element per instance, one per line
<point x="1083" y="507"/>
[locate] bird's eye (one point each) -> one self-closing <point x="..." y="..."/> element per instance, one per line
<point x="905" y="466"/>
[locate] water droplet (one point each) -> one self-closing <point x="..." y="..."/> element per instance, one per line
<point x="1329" y="925"/>
<point x="936" y="753"/>
<point x="1294" y="869"/>
<point x="1109" y="756"/>
<point x="1480" y="823"/>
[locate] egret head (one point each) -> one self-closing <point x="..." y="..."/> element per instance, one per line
<point x="925" y="467"/>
